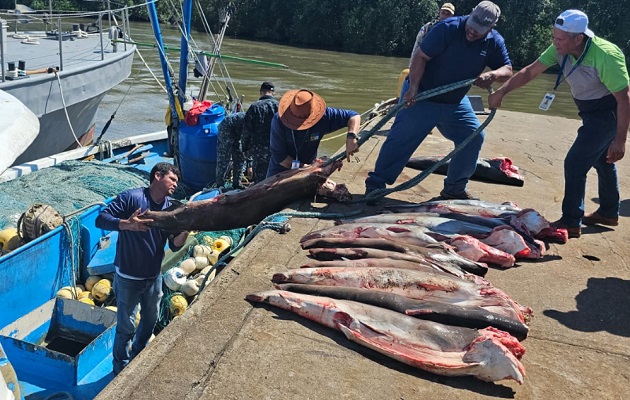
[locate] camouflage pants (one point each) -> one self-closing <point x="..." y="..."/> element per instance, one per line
<point x="229" y="148"/>
<point x="260" y="154"/>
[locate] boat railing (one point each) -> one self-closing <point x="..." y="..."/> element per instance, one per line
<point x="111" y="25"/>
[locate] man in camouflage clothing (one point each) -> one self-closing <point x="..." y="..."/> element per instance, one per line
<point x="257" y="130"/>
<point x="229" y="147"/>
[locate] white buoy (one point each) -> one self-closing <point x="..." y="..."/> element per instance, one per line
<point x="174" y="278"/>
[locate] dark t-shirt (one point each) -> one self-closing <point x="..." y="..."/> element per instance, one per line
<point x="138" y="254"/>
<point x="454" y="58"/>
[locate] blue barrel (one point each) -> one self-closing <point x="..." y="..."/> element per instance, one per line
<point x="198" y="148"/>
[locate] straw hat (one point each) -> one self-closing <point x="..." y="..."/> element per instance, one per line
<point x="301" y="109"/>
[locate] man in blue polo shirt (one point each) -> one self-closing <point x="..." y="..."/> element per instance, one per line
<point x="456" y="49"/>
<point x="139" y="254"/>
<point x="299" y="125"/>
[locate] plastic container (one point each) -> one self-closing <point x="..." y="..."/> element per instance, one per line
<point x="198" y="148"/>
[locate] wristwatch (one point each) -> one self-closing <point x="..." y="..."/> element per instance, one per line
<point x="351" y="135"/>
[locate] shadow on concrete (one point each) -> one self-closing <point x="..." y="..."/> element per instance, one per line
<point x="464" y="382"/>
<point x="624" y="206"/>
<point x="602" y="306"/>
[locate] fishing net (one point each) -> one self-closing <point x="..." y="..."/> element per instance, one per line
<point x="205" y="238"/>
<point x="67" y="187"/>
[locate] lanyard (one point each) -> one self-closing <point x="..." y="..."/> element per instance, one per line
<point x="577" y="64"/>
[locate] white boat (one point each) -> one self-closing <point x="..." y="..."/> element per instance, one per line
<point x="61" y="72"/>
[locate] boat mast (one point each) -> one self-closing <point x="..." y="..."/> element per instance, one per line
<point x="203" y="90"/>
<point x="183" y="59"/>
<point x="174" y="105"/>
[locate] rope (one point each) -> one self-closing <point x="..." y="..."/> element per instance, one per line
<point x="380" y="193"/>
<point x="65" y="109"/>
<point x="133" y="81"/>
<point x="73" y="245"/>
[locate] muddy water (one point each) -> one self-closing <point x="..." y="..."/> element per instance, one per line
<point x="344" y="80"/>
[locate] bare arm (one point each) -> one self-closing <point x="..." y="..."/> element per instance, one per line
<point x="617" y="148"/>
<point x="354" y="124"/>
<point x="501" y="74"/>
<point x="416" y="71"/>
<point x="180" y="239"/>
<point x="516" y="81"/>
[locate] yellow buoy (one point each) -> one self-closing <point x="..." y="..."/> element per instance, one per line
<point x="87" y="300"/>
<point x="9" y="239"/>
<point x="112" y="308"/>
<point x="85" y="294"/>
<point x="101" y="290"/>
<point x="65" y="292"/>
<point x="222" y="243"/>
<point x="177" y="305"/>
<point x="91" y="280"/>
<point x="81" y="287"/>
<point x="401" y="79"/>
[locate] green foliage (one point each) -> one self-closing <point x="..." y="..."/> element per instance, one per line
<point x="383" y="27"/>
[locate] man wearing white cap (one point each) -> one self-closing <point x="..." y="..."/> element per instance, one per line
<point x="595" y="69"/>
<point x="456" y="49"/>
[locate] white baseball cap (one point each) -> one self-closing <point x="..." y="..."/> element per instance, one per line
<point x="573" y="21"/>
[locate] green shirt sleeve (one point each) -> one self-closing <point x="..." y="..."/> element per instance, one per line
<point x="612" y="71"/>
<point x="549" y="57"/>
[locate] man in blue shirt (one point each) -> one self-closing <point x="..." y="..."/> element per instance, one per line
<point x="139" y="254"/>
<point x="299" y="125"/>
<point x="456" y="49"/>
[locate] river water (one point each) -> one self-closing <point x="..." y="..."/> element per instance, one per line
<point x="344" y="80"/>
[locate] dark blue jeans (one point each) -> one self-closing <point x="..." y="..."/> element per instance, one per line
<point x="589" y="151"/>
<point x="130" y="293"/>
<point x="412" y="125"/>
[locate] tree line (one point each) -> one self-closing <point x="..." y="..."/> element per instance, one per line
<point x="383" y="27"/>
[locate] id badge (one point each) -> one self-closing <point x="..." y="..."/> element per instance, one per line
<point x="546" y="102"/>
<point x="295" y="164"/>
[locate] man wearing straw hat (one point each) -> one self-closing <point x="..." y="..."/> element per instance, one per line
<point x="299" y="125"/>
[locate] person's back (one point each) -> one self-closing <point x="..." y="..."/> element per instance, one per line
<point x="229" y="148"/>
<point x="257" y="130"/>
<point x="446" y="11"/>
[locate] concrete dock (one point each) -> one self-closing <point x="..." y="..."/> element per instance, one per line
<point x="579" y="344"/>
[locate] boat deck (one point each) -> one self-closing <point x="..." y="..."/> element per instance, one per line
<point x="579" y="343"/>
<point x="77" y="52"/>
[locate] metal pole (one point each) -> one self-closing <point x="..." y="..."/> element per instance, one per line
<point x="167" y="76"/>
<point x="60" y="33"/>
<point x="2" y="47"/>
<point x="109" y="14"/>
<point x="183" y="58"/>
<point x="128" y="25"/>
<point x="100" y="32"/>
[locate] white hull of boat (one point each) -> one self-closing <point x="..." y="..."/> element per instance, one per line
<point x="42" y="95"/>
